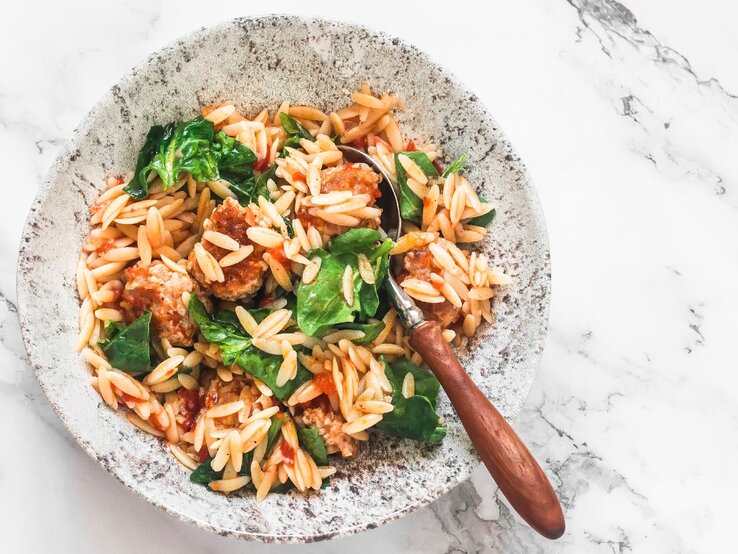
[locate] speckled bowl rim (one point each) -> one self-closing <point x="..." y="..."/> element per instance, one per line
<point x="68" y="150"/>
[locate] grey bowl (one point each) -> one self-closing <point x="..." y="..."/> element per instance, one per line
<point x="258" y="62"/>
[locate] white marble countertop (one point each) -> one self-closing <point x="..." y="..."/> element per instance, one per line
<point x="629" y="128"/>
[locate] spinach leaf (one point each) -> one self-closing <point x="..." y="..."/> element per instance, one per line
<point x="484" y="219"/>
<point x="236" y="348"/>
<point x="261" y="182"/>
<point x="265" y="367"/>
<point x="204" y="473"/>
<point x="360" y="240"/>
<point x="283" y="488"/>
<point x="291" y="142"/>
<point x="456" y="166"/>
<point x="371" y="330"/>
<point x="414" y="417"/>
<point x="426" y="383"/>
<point x="321" y="305"/>
<point x="380" y="259"/>
<point x="190" y="147"/>
<point x="411" y="207"/>
<point x="231" y="339"/>
<point x="290" y="230"/>
<point x="294" y="128"/>
<point x="233" y="156"/>
<point x="138" y="187"/>
<point x="247" y="188"/>
<point x="127" y="348"/>
<point x="273" y="433"/>
<point x="244" y="189"/>
<point x="313" y="444"/>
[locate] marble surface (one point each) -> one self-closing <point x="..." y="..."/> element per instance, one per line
<point x="627" y="117"/>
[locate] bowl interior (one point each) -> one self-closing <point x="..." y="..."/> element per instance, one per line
<point x="258" y="63"/>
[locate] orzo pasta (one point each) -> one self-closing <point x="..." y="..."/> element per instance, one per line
<point x="231" y="290"/>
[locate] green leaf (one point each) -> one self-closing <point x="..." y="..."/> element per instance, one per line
<point x="411" y="207"/>
<point x="187" y="150"/>
<point x="321" y="305"/>
<point x="244" y="189"/>
<point x="293" y="127"/>
<point x="127" y="348"/>
<point x="273" y="433"/>
<point x="191" y="147"/>
<point x="380" y="259"/>
<point x="265" y="368"/>
<point x="290" y="142"/>
<point x="283" y="488"/>
<point x="313" y="444"/>
<point x="290" y="230"/>
<point x="415" y="417"/>
<point x="204" y="473"/>
<point x="426" y="383"/>
<point x="233" y="156"/>
<point x="456" y="166"/>
<point x="232" y="340"/>
<point x="484" y="219"/>
<point x="360" y="240"/>
<point x="236" y="348"/>
<point x="138" y="187"/>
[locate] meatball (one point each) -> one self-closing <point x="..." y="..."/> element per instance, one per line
<point x="359" y="179"/>
<point x="244" y="278"/>
<point x="419" y="265"/>
<point x="221" y="392"/>
<point x="158" y="289"/>
<point x="329" y="424"/>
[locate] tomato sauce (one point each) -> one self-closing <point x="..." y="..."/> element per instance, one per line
<point x="190" y="404"/>
<point x="106" y="246"/>
<point x="203" y="455"/>
<point x="288" y="452"/>
<point x="262" y="164"/>
<point x="360" y="143"/>
<point x="324" y="382"/>
<point x="279" y="255"/>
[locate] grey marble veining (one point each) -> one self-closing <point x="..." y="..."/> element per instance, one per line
<point x="631" y="145"/>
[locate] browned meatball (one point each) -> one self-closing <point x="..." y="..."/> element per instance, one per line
<point x="221" y="392"/>
<point x="329" y="424"/>
<point x="244" y="278"/>
<point x="419" y="265"/>
<point x="158" y="289"/>
<point x="359" y="179"/>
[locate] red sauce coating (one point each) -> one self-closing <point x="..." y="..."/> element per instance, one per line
<point x="203" y="455"/>
<point x="360" y="143"/>
<point x="190" y="404"/>
<point x="324" y="382"/>
<point x="262" y="164"/>
<point x="288" y="452"/>
<point x="279" y="255"/>
<point x="106" y="246"/>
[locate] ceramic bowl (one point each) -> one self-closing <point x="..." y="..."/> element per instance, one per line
<point x="258" y="62"/>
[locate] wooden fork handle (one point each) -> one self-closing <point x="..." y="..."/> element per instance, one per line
<point x="512" y="466"/>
